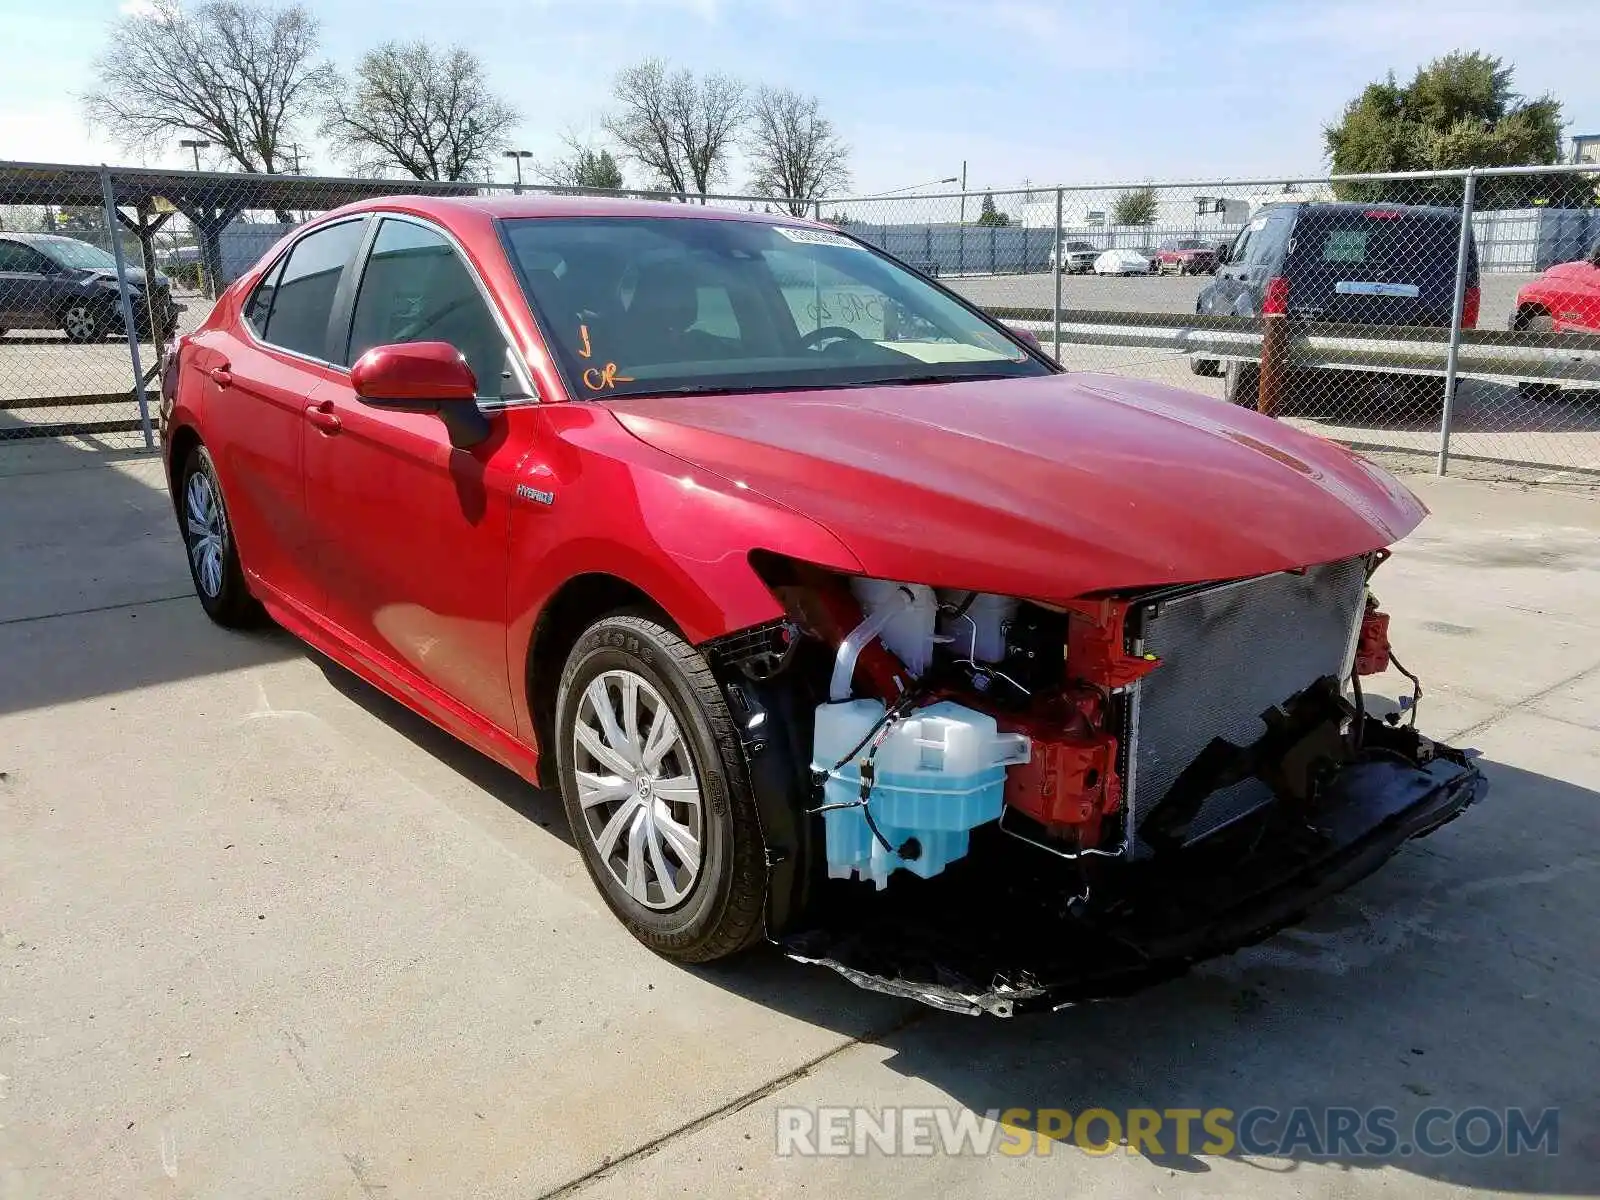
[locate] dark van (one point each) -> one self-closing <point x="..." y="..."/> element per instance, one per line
<point x="1362" y="264"/>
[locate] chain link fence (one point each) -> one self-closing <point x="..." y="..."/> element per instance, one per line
<point x="1423" y="319"/>
<point x="1420" y="318"/>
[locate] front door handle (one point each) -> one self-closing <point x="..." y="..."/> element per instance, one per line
<point x="324" y="418"/>
<point x="221" y="376"/>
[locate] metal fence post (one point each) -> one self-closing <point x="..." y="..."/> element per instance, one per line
<point x="125" y="305"/>
<point x="1056" y="266"/>
<point x="1452" y="355"/>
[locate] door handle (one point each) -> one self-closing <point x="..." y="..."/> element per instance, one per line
<point x="324" y="418"/>
<point x="221" y="376"/>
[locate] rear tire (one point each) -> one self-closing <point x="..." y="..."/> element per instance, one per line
<point x="641" y="810"/>
<point x="1241" y="384"/>
<point x="83" y="321"/>
<point x="1209" y="367"/>
<point x="209" y="546"/>
<point x="1425" y="393"/>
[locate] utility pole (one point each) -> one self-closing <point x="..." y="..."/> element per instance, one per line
<point x="294" y="155"/>
<point x="963" y="191"/>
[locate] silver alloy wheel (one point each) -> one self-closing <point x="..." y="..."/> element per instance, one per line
<point x="637" y="788"/>
<point x="203" y="517"/>
<point x="79" y="323"/>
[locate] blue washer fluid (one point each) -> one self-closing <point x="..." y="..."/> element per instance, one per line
<point x="939" y="774"/>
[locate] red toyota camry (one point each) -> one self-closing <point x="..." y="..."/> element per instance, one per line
<point x="836" y="612"/>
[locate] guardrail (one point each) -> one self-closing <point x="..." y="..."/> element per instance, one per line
<point x="1502" y="355"/>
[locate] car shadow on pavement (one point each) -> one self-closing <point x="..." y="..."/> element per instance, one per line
<point x="505" y="785"/>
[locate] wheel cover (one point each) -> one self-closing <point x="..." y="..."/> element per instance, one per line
<point x="204" y="532"/>
<point x="637" y="789"/>
<point x="79" y="321"/>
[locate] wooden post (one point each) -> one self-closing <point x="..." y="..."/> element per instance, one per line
<point x="1274" y="363"/>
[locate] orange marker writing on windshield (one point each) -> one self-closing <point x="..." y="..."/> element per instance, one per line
<point x="583" y="332"/>
<point x="598" y="379"/>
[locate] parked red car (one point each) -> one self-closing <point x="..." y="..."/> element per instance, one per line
<point x="835" y="611"/>
<point x="1565" y="299"/>
<point x="1186" y="256"/>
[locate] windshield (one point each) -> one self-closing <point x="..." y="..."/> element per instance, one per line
<point x="1076" y="246"/>
<point x="69" y="252"/>
<point x="645" y="306"/>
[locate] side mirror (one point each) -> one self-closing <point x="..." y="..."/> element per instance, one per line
<point x="1029" y="338"/>
<point x="1594" y="254"/>
<point x="429" y="377"/>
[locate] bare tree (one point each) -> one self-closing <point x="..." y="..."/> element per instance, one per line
<point x="427" y="112"/>
<point x="679" y="128"/>
<point x="796" y="155"/>
<point x="582" y="166"/>
<point x="236" y="75"/>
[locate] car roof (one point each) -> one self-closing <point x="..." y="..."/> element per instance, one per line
<point x="516" y="207"/>
<point x="1405" y="210"/>
<point x="34" y="239"/>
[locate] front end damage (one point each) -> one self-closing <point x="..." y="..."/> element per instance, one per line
<point x="992" y="805"/>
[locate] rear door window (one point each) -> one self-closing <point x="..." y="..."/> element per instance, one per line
<point x="14" y="257"/>
<point x="302" y="302"/>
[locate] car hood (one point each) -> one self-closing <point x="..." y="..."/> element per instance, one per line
<point x="134" y="276"/>
<point x="1050" y="487"/>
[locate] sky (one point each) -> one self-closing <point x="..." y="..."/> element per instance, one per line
<point x="1036" y="91"/>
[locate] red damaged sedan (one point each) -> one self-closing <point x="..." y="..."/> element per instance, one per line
<point x="836" y="612"/>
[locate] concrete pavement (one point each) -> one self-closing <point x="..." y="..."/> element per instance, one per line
<point x="267" y="934"/>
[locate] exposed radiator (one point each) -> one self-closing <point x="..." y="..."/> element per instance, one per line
<point x="1229" y="652"/>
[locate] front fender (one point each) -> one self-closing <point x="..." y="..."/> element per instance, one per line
<point x="608" y="504"/>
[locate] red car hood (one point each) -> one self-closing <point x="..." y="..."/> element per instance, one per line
<point x="1048" y="487"/>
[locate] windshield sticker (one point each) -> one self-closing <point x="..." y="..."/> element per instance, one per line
<point x="600" y="379"/>
<point x="815" y="237"/>
<point x="583" y="337"/>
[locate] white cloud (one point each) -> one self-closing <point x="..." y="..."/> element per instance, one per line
<point x="138" y="8"/>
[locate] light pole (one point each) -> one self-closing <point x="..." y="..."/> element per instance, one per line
<point x="963" y="191"/>
<point x="196" y="146"/>
<point x="518" y="156"/>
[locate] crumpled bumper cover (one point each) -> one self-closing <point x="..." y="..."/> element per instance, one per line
<point x="1010" y="928"/>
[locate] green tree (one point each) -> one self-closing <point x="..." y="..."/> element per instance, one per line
<point x="597" y="170"/>
<point x="1458" y="111"/>
<point x="584" y="165"/>
<point x="1137" y="207"/>
<point x="988" y="214"/>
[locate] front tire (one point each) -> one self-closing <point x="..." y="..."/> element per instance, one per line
<point x="209" y="546"/>
<point x="653" y="782"/>
<point x="1534" y="389"/>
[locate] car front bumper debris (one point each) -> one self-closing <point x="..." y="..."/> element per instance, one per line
<point x="1013" y="928"/>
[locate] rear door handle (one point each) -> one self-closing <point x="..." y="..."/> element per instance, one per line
<point x="324" y="418"/>
<point x="221" y="376"/>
